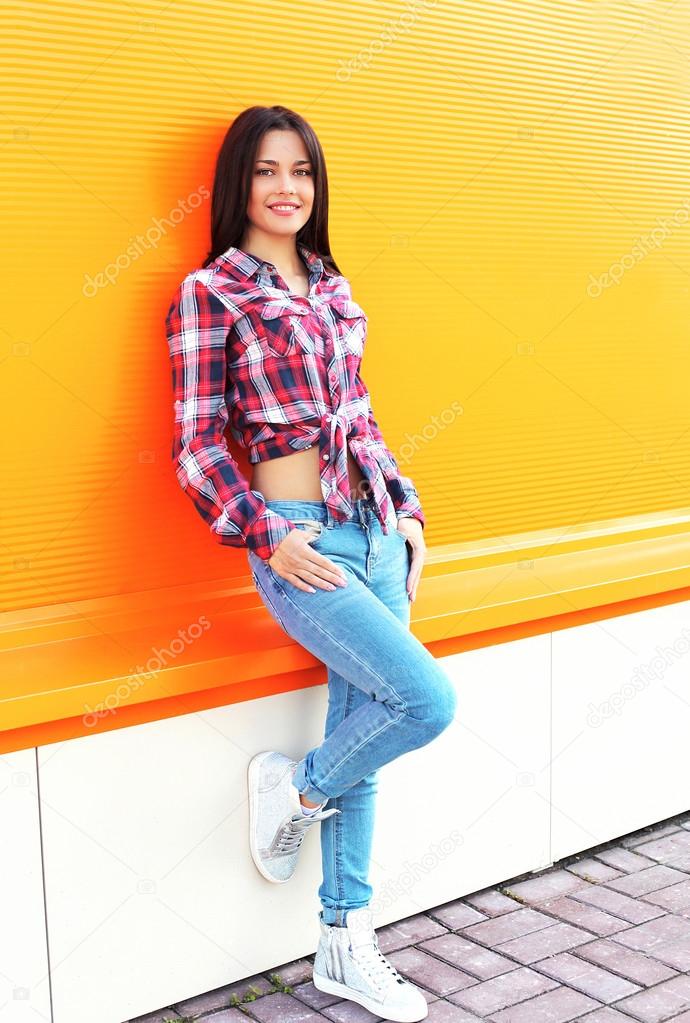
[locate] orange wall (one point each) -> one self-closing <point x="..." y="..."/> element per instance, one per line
<point x="489" y="163"/>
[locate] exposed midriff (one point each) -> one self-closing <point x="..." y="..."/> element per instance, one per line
<point x="295" y="477"/>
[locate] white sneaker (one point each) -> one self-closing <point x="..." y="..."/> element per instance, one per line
<point x="349" y="963"/>
<point x="277" y="825"/>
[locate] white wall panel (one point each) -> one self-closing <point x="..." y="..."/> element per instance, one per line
<point x="472" y="807"/>
<point x="24" y="987"/>
<point x="621" y="724"/>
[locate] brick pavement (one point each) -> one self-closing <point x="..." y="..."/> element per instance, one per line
<point x="602" y="937"/>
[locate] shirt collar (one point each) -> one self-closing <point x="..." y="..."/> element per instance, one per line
<point x="243" y="265"/>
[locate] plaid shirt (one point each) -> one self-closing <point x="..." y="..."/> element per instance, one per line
<point x="283" y="372"/>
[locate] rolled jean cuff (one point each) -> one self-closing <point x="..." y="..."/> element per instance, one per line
<point x="304" y="786"/>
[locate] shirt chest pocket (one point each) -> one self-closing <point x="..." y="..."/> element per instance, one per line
<point x="283" y="329"/>
<point x="351" y="322"/>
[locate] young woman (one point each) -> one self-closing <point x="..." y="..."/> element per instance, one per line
<point x="266" y="336"/>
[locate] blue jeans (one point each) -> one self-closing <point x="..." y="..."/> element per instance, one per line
<point x="386" y="693"/>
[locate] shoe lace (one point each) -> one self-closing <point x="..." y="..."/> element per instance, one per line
<point x="379" y="969"/>
<point x="291" y="834"/>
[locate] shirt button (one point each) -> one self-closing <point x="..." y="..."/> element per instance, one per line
<point x="326" y="457"/>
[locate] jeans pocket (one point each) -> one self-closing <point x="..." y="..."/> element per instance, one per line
<point x="312" y="527"/>
<point x="403" y="546"/>
<point x="396" y="532"/>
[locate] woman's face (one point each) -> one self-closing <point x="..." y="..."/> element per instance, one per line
<point x="282" y="175"/>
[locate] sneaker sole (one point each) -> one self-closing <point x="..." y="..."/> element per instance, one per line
<point x="334" y="987"/>
<point x="253" y="776"/>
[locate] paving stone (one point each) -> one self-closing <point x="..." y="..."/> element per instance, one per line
<point x="441" y="1011"/>
<point x="408" y="932"/>
<point x="509" y="925"/>
<point x="647" y="937"/>
<point x="593" y="870"/>
<point x="555" y="1006"/>
<point x="219" y="998"/>
<point x="547" y="886"/>
<point x="430" y="996"/>
<point x="625" y="860"/>
<point x="674" y="899"/>
<point x="606" y="1015"/>
<point x="583" y="915"/>
<point x="586" y="977"/>
<point x="313" y="997"/>
<point x="499" y="992"/>
<point x="225" y="1016"/>
<point x="294" y="973"/>
<point x="474" y="959"/>
<point x="349" y="1012"/>
<point x="658" y="831"/>
<point x="457" y="914"/>
<point x="675" y="954"/>
<point x="422" y="968"/>
<point x="280" y="1008"/>
<point x="672" y="850"/>
<point x="644" y="881"/>
<point x="618" y="904"/>
<point x="659" y="1002"/>
<point x="529" y="948"/>
<point x="492" y="903"/>
<point x="628" y="963"/>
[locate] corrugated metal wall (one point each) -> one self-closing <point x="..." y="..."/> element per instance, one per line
<point x="509" y="197"/>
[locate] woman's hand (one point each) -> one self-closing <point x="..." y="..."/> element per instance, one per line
<point x="295" y="560"/>
<point x="413" y="531"/>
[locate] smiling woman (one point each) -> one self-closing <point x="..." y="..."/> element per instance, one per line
<point x="284" y="210"/>
<point x="267" y="338"/>
<point x="283" y="185"/>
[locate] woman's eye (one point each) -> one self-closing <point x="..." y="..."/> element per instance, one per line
<point x="268" y="170"/>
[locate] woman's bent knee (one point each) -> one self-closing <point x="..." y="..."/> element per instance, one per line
<point x="441" y="708"/>
<point x="445" y="710"/>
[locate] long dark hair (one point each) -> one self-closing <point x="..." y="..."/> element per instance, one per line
<point x="234" y="174"/>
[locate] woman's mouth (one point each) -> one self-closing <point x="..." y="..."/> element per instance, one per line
<point x="284" y="209"/>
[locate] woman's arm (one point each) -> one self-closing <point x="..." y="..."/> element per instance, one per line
<point x="197" y="326"/>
